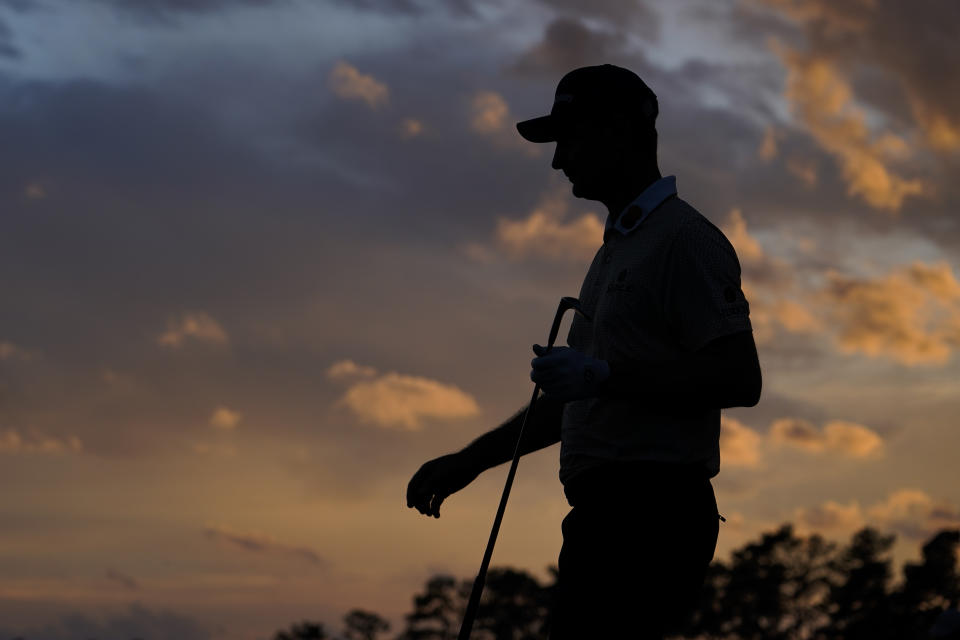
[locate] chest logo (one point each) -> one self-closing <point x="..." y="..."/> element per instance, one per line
<point x="620" y="284"/>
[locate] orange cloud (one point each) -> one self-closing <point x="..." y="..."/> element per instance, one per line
<point x="348" y="83"/>
<point x="410" y="128"/>
<point x="11" y="441"/>
<point x="197" y="325"/>
<point x="739" y="444"/>
<point x="823" y="100"/>
<point x="911" y="512"/>
<point x="545" y="234"/>
<point x="225" y="419"/>
<point x="911" y="315"/>
<point x="349" y="369"/>
<point x="489" y="112"/>
<point x="400" y="401"/>
<point x="829" y="515"/>
<point x="847" y="438"/>
<point x="768" y="146"/>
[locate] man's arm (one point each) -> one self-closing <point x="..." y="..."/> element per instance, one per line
<point x="723" y="373"/>
<point x="498" y="445"/>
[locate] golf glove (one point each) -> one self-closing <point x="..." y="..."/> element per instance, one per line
<point x="566" y="374"/>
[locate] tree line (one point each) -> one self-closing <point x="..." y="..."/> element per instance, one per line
<point x="780" y="587"/>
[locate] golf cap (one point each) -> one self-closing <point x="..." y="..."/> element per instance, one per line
<point x="593" y="93"/>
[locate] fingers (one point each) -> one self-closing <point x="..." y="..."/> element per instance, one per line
<point x="435" y="507"/>
<point x="423" y="499"/>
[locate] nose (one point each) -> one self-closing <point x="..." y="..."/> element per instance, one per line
<point x="557" y="158"/>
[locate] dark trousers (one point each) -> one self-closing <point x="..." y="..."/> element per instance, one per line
<point x="636" y="547"/>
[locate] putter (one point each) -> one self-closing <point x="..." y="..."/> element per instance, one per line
<point x="471" y="613"/>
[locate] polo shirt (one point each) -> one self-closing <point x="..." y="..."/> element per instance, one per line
<point x="665" y="282"/>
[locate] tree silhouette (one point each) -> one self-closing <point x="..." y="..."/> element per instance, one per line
<point x="863" y="574"/>
<point x="780" y="587"/>
<point x="437" y="613"/>
<point x="363" y="625"/>
<point x="928" y="588"/>
<point x="303" y="631"/>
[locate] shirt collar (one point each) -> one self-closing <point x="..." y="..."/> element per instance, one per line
<point x="646" y="202"/>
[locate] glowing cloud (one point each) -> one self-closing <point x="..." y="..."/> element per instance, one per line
<point x="12" y="442"/>
<point x="544" y="234"/>
<point x="847" y="438"/>
<point x="348" y="83"/>
<point x="349" y="369"/>
<point x="739" y="444"/>
<point x="225" y="419"/>
<point x="198" y="325"/>
<point x="400" y="401"/>
<point x="911" y="315"/>
<point x="410" y="128"/>
<point x="823" y="100"/>
<point x="488" y="112"/>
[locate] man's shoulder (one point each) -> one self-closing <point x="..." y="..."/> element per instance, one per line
<point x="693" y="228"/>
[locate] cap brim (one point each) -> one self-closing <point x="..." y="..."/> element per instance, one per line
<point x="542" y="129"/>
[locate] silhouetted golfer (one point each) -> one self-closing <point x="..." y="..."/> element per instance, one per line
<point x="635" y="399"/>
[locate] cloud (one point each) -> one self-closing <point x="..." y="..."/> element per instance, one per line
<point x="823" y="100"/>
<point x="35" y="191"/>
<point x="767" y="282"/>
<point x="10" y="351"/>
<point x="567" y="44"/>
<point x="739" y="444"/>
<point x="910" y="512"/>
<point x="12" y="442"/>
<point x="847" y="438"/>
<point x="7" y="50"/>
<point x="544" y="234"/>
<point x="260" y="543"/>
<point x="137" y="622"/>
<point x="489" y="112"/>
<point x="347" y="82"/>
<point x="804" y="169"/>
<point x="908" y="45"/>
<point x="915" y="514"/>
<point x="911" y="315"/>
<point x="410" y="128"/>
<point x="768" y="146"/>
<point x="638" y="15"/>
<point x="349" y="369"/>
<point x="224" y="418"/>
<point x="197" y="325"/>
<point x="830" y="515"/>
<point x="400" y="401"/>
<point x="124" y="580"/>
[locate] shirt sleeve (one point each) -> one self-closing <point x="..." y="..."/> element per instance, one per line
<point x="702" y="297"/>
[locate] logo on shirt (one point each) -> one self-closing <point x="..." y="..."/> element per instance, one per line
<point x="620" y="284"/>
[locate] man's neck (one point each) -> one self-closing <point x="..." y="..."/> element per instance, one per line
<point x="619" y="201"/>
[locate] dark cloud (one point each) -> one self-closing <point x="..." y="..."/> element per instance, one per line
<point x="636" y="15"/>
<point x="261" y="544"/>
<point x="138" y="622"/>
<point x="170" y="12"/>
<point x="568" y="44"/>
<point x="7" y="50"/>
<point x="124" y="580"/>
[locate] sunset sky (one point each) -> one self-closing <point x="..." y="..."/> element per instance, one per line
<point x="260" y="260"/>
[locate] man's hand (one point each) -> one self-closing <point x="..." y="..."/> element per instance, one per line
<point x="436" y="480"/>
<point x="566" y="374"/>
